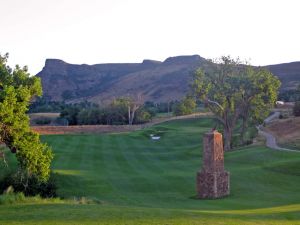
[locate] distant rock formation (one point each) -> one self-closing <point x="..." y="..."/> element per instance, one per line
<point x="156" y="81"/>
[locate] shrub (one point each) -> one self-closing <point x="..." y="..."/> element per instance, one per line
<point x="43" y="121"/>
<point x="12" y="198"/>
<point x="296" y="109"/>
<point x="29" y="185"/>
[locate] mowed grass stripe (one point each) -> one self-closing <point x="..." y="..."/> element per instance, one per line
<point x="146" y="183"/>
<point x="180" y="177"/>
<point x="161" y="154"/>
<point x="60" y="143"/>
<point x="119" y="173"/>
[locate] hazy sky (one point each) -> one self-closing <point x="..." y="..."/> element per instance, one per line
<point x="99" y="31"/>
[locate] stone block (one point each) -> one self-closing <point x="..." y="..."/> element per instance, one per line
<point x="213" y="180"/>
<point x="212" y="185"/>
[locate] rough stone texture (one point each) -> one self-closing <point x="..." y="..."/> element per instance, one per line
<point x="213" y="180"/>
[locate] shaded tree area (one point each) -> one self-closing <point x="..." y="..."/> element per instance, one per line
<point x="120" y="111"/>
<point x="236" y="93"/>
<point x="296" y="98"/>
<point x="290" y="95"/>
<point x="296" y="109"/>
<point x="45" y="104"/>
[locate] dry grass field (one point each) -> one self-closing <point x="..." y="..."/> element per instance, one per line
<point x="98" y="129"/>
<point x="84" y="129"/>
<point x="286" y="131"/>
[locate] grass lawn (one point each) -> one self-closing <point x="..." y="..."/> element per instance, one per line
<point x="135" y="180"/>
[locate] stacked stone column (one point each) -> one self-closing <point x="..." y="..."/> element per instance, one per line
<point x="213" y="180"/>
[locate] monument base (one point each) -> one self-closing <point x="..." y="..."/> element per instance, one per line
<point x="211" y="185"/>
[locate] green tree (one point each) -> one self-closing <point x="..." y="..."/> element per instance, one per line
<point x="232" y="91"/>
<point x="142" y="116"/>
<point x="117" y="111"/>
<point x="17" y="88"/>
<point x="70" y="113"/>
<point x="185" y="107"/>
<point x="259" y="93"/>
<point x="128" y="104"/>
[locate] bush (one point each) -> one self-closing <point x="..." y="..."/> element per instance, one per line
<point x="43" y="121"/>
<point x="296" y="109"/>
<point x="29" y="185"/>
<point x="12" y="198"/>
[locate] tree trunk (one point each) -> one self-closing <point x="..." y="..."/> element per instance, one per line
<point x="132" y="117"/>
<point x="227" y="138"/>
<point x="244" y="129"/>
<point x="129" y="115"/>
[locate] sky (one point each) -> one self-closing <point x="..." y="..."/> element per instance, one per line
<point x="115" y="31"/>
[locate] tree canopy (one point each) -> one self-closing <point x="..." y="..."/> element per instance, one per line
<point x="233" y="91"/>
<point x="17" y="89"/>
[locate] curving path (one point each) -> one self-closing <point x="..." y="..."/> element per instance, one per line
<point x="270" y="139"/>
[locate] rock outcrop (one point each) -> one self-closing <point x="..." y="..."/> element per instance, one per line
<point x="156" y="81"/>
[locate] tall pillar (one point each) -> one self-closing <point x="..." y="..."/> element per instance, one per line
<point x="213" y="180"/>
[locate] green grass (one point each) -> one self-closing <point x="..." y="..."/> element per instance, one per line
<point x="134" y="180"/>
<point x="295" y="144"/>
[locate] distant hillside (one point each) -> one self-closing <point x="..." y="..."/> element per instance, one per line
<point x="156" y="81"/>
<point x="288" y="73"/>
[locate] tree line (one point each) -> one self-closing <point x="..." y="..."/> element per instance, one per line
<point x="121" y="111"/>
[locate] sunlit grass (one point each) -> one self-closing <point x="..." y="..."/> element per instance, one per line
<point x="131" y="179"/>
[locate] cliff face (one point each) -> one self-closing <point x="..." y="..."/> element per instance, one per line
<point x="156" y="81"/>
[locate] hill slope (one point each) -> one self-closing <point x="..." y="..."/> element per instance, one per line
<point x="288" y="74"/>
<point x="156" y="81"/>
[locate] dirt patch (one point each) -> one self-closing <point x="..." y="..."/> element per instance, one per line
<point x="285" y="130"/>
<point x="88" y="129"/>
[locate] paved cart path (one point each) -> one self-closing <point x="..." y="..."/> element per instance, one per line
<point x="270" y="139"/>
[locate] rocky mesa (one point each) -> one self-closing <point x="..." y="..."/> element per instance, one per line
<point x="156" y="81"/>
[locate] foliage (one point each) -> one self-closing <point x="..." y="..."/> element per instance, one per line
<point x="143" y="116"/>
<point x="185" y="107"/>
<point x="116" y="113"/>
<point x="289" y="95"/>
<point x="12" y="198"/>
<point x="44" y="104"/>
<point x="234" y="91"/>
<point x="296" y="109"/>
<point x="17" y="88"/>
<point x="43" y="121"/>
<point x="30" y="185"/>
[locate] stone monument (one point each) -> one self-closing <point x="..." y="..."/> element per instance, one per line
<point x="213" y="180"/>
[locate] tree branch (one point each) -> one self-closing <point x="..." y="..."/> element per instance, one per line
<point x="215" y="103"/>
